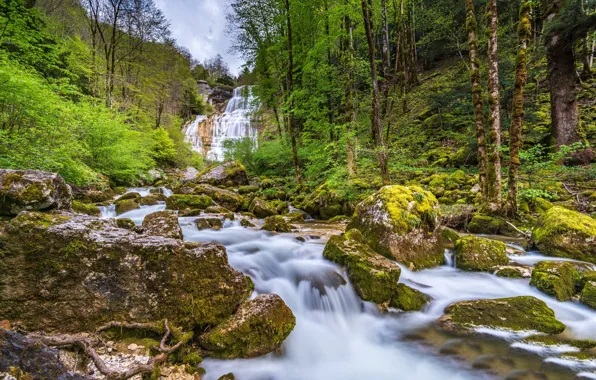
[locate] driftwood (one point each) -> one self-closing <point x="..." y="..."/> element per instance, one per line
<point x="87" y="345"/>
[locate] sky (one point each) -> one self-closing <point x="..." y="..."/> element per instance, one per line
<point x="199" y="26"/>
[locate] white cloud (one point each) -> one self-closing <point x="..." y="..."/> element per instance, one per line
<point x="199" y="25"/>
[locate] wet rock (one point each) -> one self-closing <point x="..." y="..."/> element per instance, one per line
<point x="87" y="209"/>
<point x="525" y="374"/>
<point x="229" y="376"/>
<point x="523" y="313"/>
<point x="162" y="223"/>
<point x="246" y="223"/>
<point x="461" y="347"/>
<point x="514" y="271"/>
<point x="209" y="223"/>
<point x="217" y="210"/>
<point x="479" y="254"/>
<point x="193" y="202"/>
<point x="565" y="233"/>
<point x="258" y="327"/>
<point x="261" y="209"/>
<point x="276" y="223"/>
<point x="71" y="273"/>
<point x="126" y="205"/>
<point x="374" y="277"/>
<point x="228" y="199"/>
<point x="555" y="278"/>
<point x="557" y="340"/>
<point x="295" y="217"/>
<point x="484" y="224"/>
<point x="150" y="200"/>
<point x="191" y="212"/>
<point x="494" y="363"/>
<point x="401" y="223"/>
<point x="230" y="174"/>
<point x="247" y="189"/>
<point x="126" y="223"/>
<point x="457" y="216"/>
<point x="23" y="355"/>
<point x="325" y="203"/>
<point x="588" y="295"/>
<point x="32" y="190"/>
<point x="409" y="299"/>
<point x="449" y="235"/>
<point x="131" y="195"/>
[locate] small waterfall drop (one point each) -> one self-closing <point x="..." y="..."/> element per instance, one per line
<point x="192" y="134"/>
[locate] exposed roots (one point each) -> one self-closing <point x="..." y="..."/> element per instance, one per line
<point x="88" y="346"/>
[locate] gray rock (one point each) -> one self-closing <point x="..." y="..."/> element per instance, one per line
<point x="162" y="223"/>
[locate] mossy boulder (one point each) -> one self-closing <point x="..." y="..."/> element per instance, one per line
<point x="230" y="174"/>
<point x="556" y="278"/>
<point x="246" y="223"/>
<point x="409" y="299"/>
<point x="258" y="327"/>
<point x="126" y="205"/>
<point x="479" y="254"/>
<point x="162" y="223"/>
<point x="131" y="195"/>
<point x="32" y="190"/>
<point x="449" y="235"/>
<point x="523" y="313"/>
<point x="588" y="295"/>
<point x="194" y="202"/>
<point x="565" y="233"/>
<point x="126" y="223"/>
<point x="401" y="222"/>
<point x="226" y="198"/>
<point x="295" y="217"/>
<point x="207" y="223"/>
<point x="485" y="224"/>
<point x="87" y="209"/>
<point x="457" y="216"/>
<point x="151" y="199"/>
<point x="325" y="203"/>
<point x="247" y="189"/>
<point x="261" y="209"/>
<point x="374" y="277"/>
<point x="72" y="273"/>
<point x="276" y="223"/>
<point x="586" y="276"/>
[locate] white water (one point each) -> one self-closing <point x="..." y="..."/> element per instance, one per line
<point x="337" y="336"/>
<point x="192" y="134"/>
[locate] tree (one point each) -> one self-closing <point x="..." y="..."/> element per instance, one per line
<point x="472" y="28"/>
<point x="516" y="131"/>
<point x="493" y="194"/>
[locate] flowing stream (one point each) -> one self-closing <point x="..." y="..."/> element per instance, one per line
<point x="338" y="336"/>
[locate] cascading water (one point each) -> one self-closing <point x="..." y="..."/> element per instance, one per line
<point x="337" y="336"/>
<point x="192" y="134"/>
<point x="235" y="123"/>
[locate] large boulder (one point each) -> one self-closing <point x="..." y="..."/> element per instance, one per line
<point x="480" y="254"/>
<point x="409" y="299"/>
<point x="126" y="205"/>
<point x="261" y="209"/>
<point x="230" y="174"/>
<point x="523" y="313"/>
<point x="401" y="222"/>
<point x="32" y="190"/>
<point x="326" y="203"/>
<point x="556" y="278"/>
<point x="226" y="198"/>
<point x="162" y="223"/>
<point x="258" y="327"/>
<point x="374" y="277"/>
<point x="87" y="209"/>
<point x="193" y="202"/>
<point x="72" y="273"/>
<point x="588" y="295"/>
<point x="276" y="223"/>
<point x="565" y="233"/>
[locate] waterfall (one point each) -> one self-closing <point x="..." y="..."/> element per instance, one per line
<point x="192" y="134"/>
<point x="235" y="123"/>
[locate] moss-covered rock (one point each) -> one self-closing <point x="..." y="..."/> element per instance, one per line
<point x="401" y="222"/>
<point x="131" y="195"/>
<point x="557" y="340"/>
<point x="514" y="271"/>
<point x="194" y="202"/>
<point x="246" y="223"/>
<point x="280" y="207"/>
<point x="226" y="198"/>
<point x="588" y="295"/>
<point x="32" y="190"/>
<point x="258" y="327"/>
<point x="86" y="209"/>
<point x="295" y="217"/>
<point x="449" y="235"/>
<point x="126" y="223"/>
<point x="325" y="203"/>
<point x="457" y="216"/>
<point x="374" y="277"/>
<point x="484" y="224"/>
<point x="247" y="189"/>
<point x="556" y="278"/>
<point x="261" y="209"/>
<point x="565" y="233"/>
<point x="586" y="276"/>
<point x="276" y="223"/>
<point x="72" y="273"/>
<point x="207" y="223"/>
<point x="523" y="313"/>
<point x="479" y="254"/>
<point x="126" y="205"/>
<point x="151" y="200"/>
<point x="230" y="174"/>
<point x="409" y="299"/>
<point x="162" y="223"/>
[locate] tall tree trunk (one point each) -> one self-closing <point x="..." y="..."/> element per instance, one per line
<point x="472" y="28"/>
<point x="494" y="96"/>
<point x="351" y="112"/>
<point x="377" y="127"/>
<point x="290" y="74"/>
<point x="516" y="131"/>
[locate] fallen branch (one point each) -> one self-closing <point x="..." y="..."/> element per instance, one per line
<point x="582" y="206"/>
<point x="525" y="234"/>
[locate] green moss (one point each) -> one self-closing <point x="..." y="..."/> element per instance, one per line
<point x="517" y="313"/>
<point x="355" y="235"/>
<point x="276" y="223"/>
<point x="509" y="272"/>
<point x="83" y="208"/>
<point x="247" y="189"/>
<point x="126" y="205"/>
<point x="484" y="224"/>
<point x="588" y="296"/>
<point x="27" y="221"/>
<point x="550" y="340"/>
<point x="295" y="217"/>
<point x="480" y="254"/>
<point x="132" y="195"/>
<point x="409" y="299"/>
<point x="565" y="233"/>
<point x="125" y="223"/>
<point x="181" y="202"/>
<point x="558" y="279"/>
<point x="580" y="356"/>
<point x="228" y="199"/>
<point x="246" y="223"/>
<point x="449" y="235"/>
<point x="340" y="218"/>
<point x="586" y="277"/>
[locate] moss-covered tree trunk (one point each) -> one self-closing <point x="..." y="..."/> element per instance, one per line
<point x="515" y="131"/>
<point x="472" y="28"/>
<point x="377" y="126"/>
<point x="493" y="178"/>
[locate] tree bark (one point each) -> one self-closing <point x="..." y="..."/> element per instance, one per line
<point x="516" y="129"/>
<point x="351" y="112"/>
<point x="291" y="121"/>
<point x="472" y="28"/>
<point x="494" y="186"/>
<point x="377" y="127"/>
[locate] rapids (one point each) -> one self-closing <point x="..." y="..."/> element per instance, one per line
<point x="338" y="336"/>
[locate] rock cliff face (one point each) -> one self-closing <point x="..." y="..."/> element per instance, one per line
<point x="216" y="96"/>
